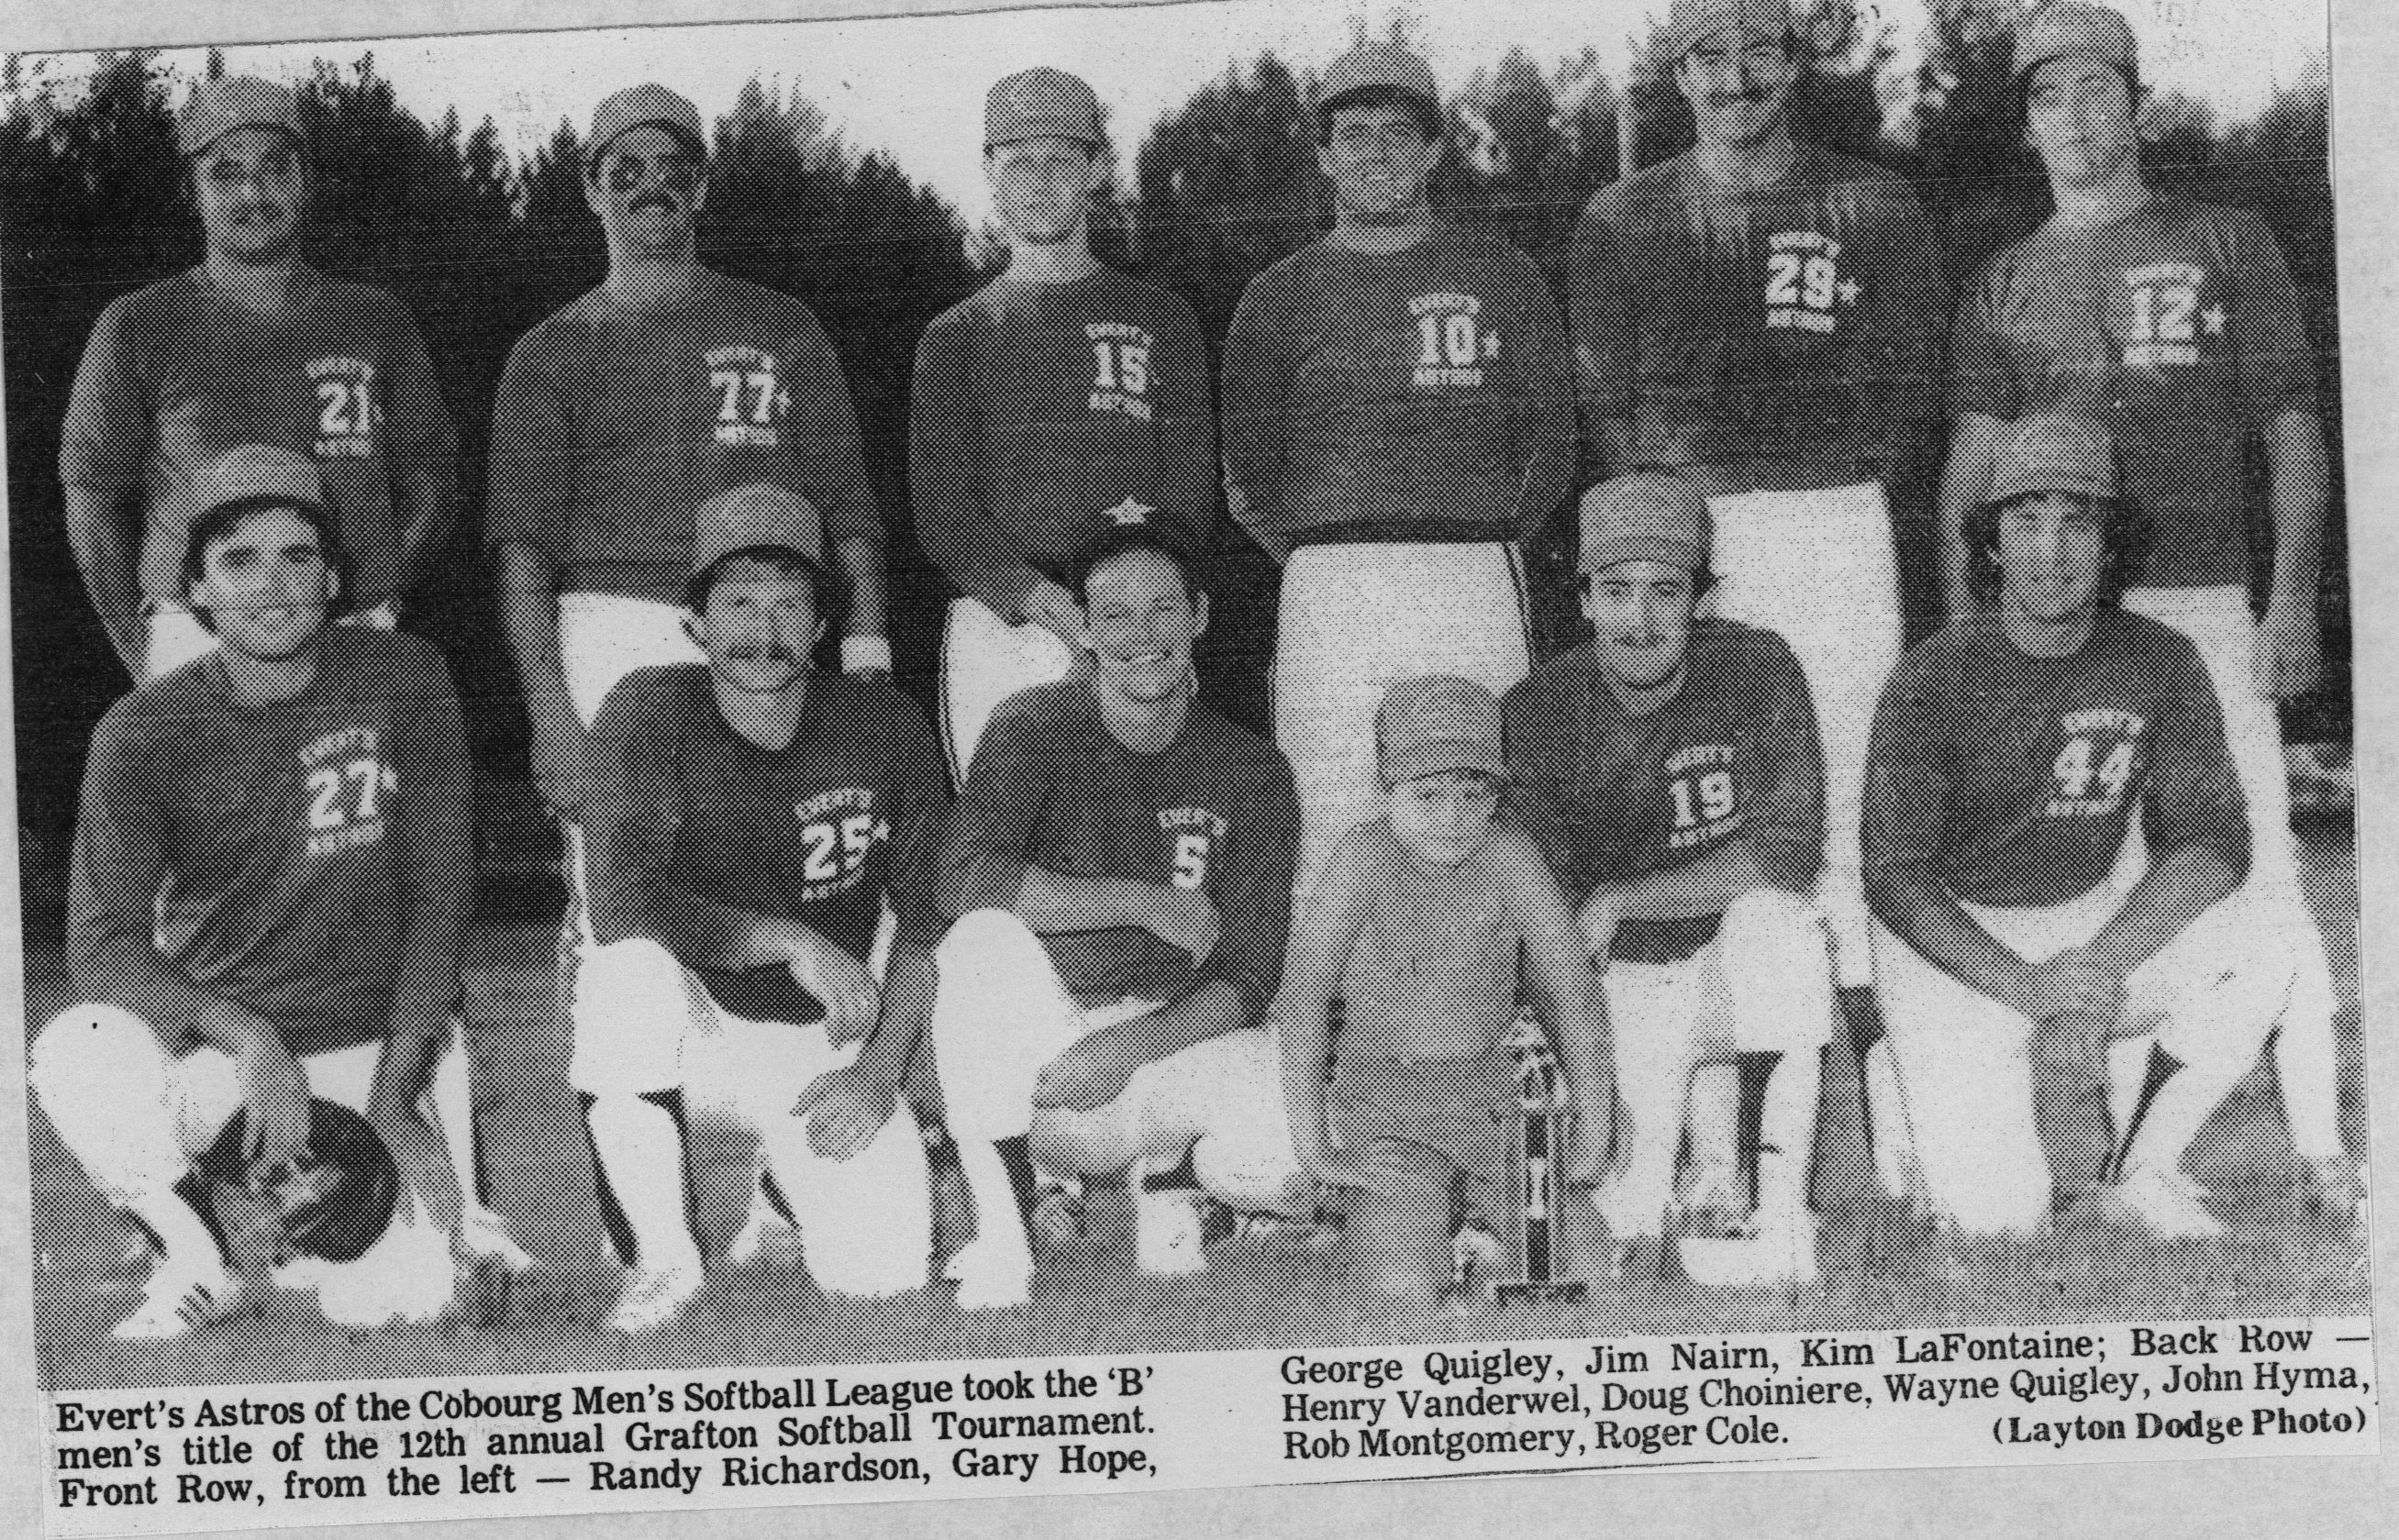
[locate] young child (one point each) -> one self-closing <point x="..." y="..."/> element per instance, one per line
<point x="1423" y="925"/>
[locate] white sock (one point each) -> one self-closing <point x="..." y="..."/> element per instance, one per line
<point x="641" y="1150"/>
<point x="999" y="1227"/>
<point x="1786" y="1134"/>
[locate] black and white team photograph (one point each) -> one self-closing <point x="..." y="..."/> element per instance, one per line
<point x="1225" y="676"/>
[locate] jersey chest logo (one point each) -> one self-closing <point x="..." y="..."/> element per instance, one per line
<point x="838" y="831"/>
<point x="1703" y="795"/>
<point x="2165" y="315"/>
<point x="1123" y="380"/>
<point x="346" y="410"/>
<point x="349" y="789"/>
<point x="2099" y="762"/>
<point x="1809" y="287"/>
<point x="1198" y="837"/>
<point x="750" y="397"/>
<point x="1452" y="341"/>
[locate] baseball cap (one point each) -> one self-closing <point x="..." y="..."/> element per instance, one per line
<point x="1690" y="21"/>
<point x="1372" y="64"/>
<point x="2050" y="452"/>
<point x="218" y="107"/>
<point x="1645" y="516"/>
<point x="2068" y="26"/>
<point x="1042" y="104"/>
<point x="639" y="105"/>
<point x="749" y="517"/>
<point x="1436" y="723"/>
<point x="257" y="473"/>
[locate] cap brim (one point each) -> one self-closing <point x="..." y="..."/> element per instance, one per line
<point x="1441" y="758"/>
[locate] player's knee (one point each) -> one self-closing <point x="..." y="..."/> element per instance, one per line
<point x="986" y="941"/>
<point x="87" y="1045"/>
<point x="1778" y="965"/>
<point x="632" y="1003"/>
<point x="1099" y="1143"/>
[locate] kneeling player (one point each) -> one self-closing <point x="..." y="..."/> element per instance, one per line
<point x="2050" y="986"/>
<point x="1120" y="871"/>
<point x="749" y="819"/>
<point x="273" y="871"/>
<point x="1669" y="769"/>
<point x="1422" y="924"/>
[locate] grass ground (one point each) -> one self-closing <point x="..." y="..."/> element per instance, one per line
<point x="1269" y="1291"/>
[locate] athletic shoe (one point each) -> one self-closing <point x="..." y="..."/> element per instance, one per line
<point x="2164" y="1203"/>
<point x="652" y="1298"/>
<point x="1775" y="1250"/>
<point x="988" y="1279"/>
<point x="179" y="1300"/>
<point x="483" y="1236"/>
<point x="1059" y="1218"/>
<point x="1168" y="1230"/>
<point x="2335" y="1191"/>
<point x="1715" y="1200"/>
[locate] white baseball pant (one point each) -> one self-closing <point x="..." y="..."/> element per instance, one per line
<point x="136" y="1117"/>
<point x="1820" y="570"/>
<point x="644" y="1027"/>
<point x="2218" y="622"/>
<point x="986" y="660"/>
<point x="1355" y="619"/>
<point x="1763" y="985"/>
<point x="2208" y="998"/>
<point x="1003" y="1013"/>
<point x="176" y="636"/>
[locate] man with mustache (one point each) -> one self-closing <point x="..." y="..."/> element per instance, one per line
<point x="253" y="345"/>
<point x="662" y="388"/>
<point x="1119" y="872"/>
<point x="2176" y="325"/>
<point x="1060" y="396"/>
<point x="2075" y="973"/>
<point x="1669" y="769"/>
<point x="750" y="817"/>
<point x="1398" y="418"/>
<point x="1765" y="315"/>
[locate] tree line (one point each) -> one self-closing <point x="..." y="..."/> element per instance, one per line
<point x="480" y="245"/>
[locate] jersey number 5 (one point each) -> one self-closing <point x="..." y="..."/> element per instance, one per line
<point x="1190" y="859"/>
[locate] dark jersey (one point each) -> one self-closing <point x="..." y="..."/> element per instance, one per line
<point x="2013" y="778"/>
<point x="177" y="373"/>
<point x="1796" y="324"/>
<point x="1610" y="797"/>
<point x="1052" y="787"/>
<point x="1038" y="409"/>
<point x="1426" y="389"/>
<point x="615" y="421"/>
<point x="2177" y="327"/>
<point x="819" y="831"/>
<point x="310" y="858"/>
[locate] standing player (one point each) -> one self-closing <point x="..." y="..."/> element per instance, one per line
<point x="2055" y="834"/>
<point x="620" y="414"/>
<point x="2175" y="325"/>
<point x="1669" y="769"/>
<point x="253" y="345"/>
<point x="1764" y="314"/>
<point x="273" y="871"/>
<point x="1429" y="922"/>
<point x="1060" y="399"/>
<point x="1397" y="414"/>
<point x="1118" y="869"/>
<point x="748" y="818"/>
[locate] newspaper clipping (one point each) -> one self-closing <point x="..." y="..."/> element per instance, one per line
<point x="1214" y="745"/>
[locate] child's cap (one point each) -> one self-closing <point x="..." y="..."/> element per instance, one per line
<point x="1435" y="723"/>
